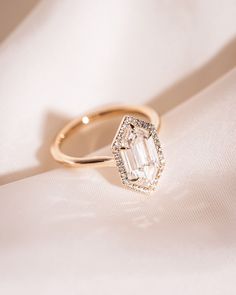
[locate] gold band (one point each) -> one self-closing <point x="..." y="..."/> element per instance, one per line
<point x="104" y="113"/>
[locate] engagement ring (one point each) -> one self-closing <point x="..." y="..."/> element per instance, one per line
<point x="136" y="148"/>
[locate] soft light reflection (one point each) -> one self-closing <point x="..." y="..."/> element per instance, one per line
<point x="85" y="120"/>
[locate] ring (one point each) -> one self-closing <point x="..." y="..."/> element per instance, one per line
<point x="135" y="148"/>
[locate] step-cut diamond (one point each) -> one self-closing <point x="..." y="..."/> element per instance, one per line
<point x="137" y="148"/>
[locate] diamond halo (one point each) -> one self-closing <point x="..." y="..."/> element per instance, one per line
<point x="138" y="155"/>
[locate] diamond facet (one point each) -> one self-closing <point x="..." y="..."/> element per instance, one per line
<point x="139" y="154"/>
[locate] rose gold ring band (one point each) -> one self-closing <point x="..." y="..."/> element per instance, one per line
<point x="81" y="122"/>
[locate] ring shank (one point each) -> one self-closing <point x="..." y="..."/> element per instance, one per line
<point x="78" y="123"/>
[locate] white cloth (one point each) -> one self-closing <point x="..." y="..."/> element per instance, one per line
<point x="78" y="232"/>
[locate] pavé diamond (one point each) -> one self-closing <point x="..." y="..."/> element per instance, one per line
<point x="138" y="155"/>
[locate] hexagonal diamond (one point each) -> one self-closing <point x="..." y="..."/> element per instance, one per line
<point x="137" y="150"/>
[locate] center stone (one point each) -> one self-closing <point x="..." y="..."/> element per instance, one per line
<point x="139" y="155"/>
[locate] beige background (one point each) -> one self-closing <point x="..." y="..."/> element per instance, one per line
<point x="66" y="231"/>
